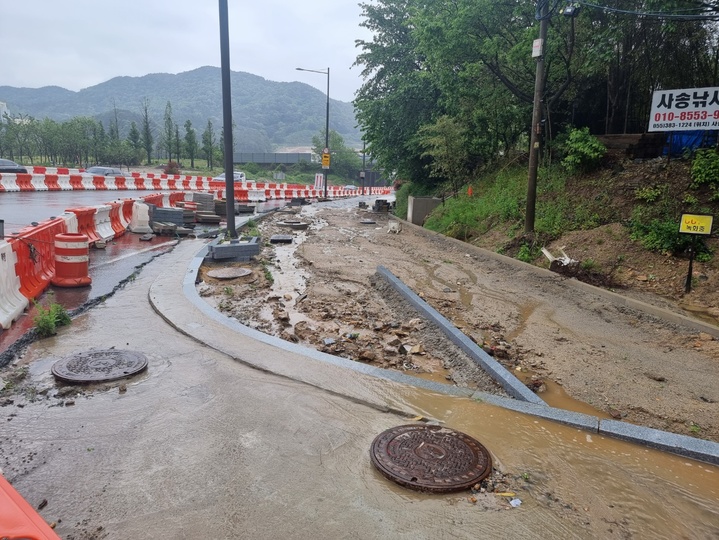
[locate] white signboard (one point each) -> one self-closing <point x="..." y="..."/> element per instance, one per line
<point x="684" y="110"/>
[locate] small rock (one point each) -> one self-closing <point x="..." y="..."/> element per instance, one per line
<point x="122" y="389"/>
<point x="328" y="341"/>
<point x="416" y="349"/>
<point x="288" y="297"/>
<point x="367" y="356"/>
<point x="703" y="336"/>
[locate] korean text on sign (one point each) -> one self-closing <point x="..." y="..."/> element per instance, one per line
<point x="696" y="224"/>
<point x="683" y="110"/>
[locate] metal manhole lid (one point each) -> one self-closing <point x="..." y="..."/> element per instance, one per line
<point x="430" y="458"/>
<point x="229" y="273"/>
<point x="99" y="366"/>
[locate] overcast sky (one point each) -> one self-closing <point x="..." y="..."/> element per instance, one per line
<point x="79" y="43"/>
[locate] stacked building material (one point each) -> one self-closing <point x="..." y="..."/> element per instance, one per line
<point x="205" y="201"/>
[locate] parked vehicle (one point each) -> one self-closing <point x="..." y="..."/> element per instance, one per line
<point x="350" y="186"/>
<point x="239" y="177"/>
<point x="105" y="171"/>
<point x="7" y="166"/>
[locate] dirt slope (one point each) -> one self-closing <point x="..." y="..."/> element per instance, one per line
<point x="624" y="363"/>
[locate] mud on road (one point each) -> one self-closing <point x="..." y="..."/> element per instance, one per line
<point x="564" y="342"/>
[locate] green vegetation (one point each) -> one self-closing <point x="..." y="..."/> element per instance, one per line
<point x="705" y="168"/>
<point x="583" y="151"/>
<point x="49" y="318"/>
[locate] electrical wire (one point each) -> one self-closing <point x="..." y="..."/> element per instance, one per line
<point x="679" y="14"/>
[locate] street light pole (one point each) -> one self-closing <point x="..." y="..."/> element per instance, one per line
<point x="327" y="118"/>
<point x="227" y="119"/>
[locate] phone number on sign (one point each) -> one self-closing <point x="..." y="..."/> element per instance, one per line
<point x="685" y="115"/>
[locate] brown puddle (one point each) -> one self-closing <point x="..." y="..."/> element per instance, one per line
<point x="614" y="488"/>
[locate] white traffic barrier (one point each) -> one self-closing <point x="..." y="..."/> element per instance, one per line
<point x="140" y="222"/>
<point x="103" y="225"/>
<point x="166" y="200"/>
<point x="64" y="182"/>
<point x="256" y="195"/>
<point x="38" y="182"/>
<point x="9" y="182"/>
<point x="70" y="221"/>
<point x="12" y="302"/>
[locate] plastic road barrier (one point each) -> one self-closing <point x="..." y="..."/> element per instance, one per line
<point x="19" y="520"/>
<point x="72" y="260"/>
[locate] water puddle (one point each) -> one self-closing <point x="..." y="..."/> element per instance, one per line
<point x="586" y="475"/>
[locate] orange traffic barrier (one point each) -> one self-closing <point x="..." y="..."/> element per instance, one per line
<point x="51" y="182"/>
<point x="35" y="255"/>
<point x="76" y="182"/>
<point x="116" y="219"/>
<point x="19" y="520"/>
<point x="72" y="260"/>
<point x="99" y="183"/>
<point x="86" y="222"/>
<point x="176" y="197"/>
<point x="155" y="199"/>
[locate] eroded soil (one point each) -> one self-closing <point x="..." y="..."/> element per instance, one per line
<point x="321" y="291"/>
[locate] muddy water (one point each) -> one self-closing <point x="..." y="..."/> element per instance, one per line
<point x="609" y="486"/>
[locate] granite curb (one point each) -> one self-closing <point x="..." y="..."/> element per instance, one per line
<point x="683" y="445"/>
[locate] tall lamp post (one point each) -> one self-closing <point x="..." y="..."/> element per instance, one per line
<point x="325" y="168"/>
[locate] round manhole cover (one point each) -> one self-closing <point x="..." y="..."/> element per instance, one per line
<point x="430" y="458"/>
<point x="99" y="366"/>
<point x="229" y="273"/>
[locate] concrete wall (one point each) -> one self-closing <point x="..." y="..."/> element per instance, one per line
<point x="420" y="207"/>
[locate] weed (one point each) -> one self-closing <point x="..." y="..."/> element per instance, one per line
<point x="48" y="319"/>
<point x="589" y="265"/>
<point x="705" y="167"/>
<point x="268" y="274"/>
<point x="526" y="253"/>
<point x="694" y="428"/>
<point x="525" y="476"/>
<point x="649" y="194"/>
<point x="583" y="151"/>
<point x="228" y="291"/>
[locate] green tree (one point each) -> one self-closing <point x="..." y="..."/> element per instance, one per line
<point x="344" y="161"/>
<point x="190" y="142"/>
<point x="146" y="133"/>
<point x="169" y="132"/>
<point x="445" y="142"/>
<point x="209" y="143"/>
<point x="399" y="95"/>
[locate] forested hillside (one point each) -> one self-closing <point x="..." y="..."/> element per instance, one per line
<point x="449" y="84"/>
<point x="266" y="113"/>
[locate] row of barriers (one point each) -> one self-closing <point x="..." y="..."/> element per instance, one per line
<point x="28" y="256"/>
<point x="244" y="191"/>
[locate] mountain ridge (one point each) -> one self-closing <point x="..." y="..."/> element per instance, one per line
<point x="267" y="114"/>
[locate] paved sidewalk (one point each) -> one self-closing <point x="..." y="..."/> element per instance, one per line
<point x="205" y="446"/>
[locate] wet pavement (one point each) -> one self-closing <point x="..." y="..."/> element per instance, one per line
<point x="229" y="435"/>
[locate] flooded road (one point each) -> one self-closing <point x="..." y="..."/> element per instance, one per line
<point x="203" y="446"/>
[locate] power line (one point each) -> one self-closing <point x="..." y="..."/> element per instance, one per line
<point x="704" y="14"/>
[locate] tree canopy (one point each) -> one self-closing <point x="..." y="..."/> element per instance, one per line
<point x="449" y="83"/>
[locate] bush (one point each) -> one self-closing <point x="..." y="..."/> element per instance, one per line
<point x="172" y="168"/>
<point x="583" y="151"/>
<point x="48" y="319"/>
<point x="705" y="168"/>
<point x="663" y="235"/>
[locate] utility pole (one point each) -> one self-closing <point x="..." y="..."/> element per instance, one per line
<point x="536" y="135"/>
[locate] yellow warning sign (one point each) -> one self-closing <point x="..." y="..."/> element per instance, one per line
<point x="325" y="161"/>
<point x="696" y="224"/>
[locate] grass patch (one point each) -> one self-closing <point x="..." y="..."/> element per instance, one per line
<point x="49" y="318"/>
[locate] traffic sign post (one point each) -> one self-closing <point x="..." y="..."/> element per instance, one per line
<point x="694" y="224"/>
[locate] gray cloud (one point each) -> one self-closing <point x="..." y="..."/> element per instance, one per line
<point x="79" y="43"/>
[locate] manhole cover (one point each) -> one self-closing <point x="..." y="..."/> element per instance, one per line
<point x="99" y="366"/>
<point x="229" y="273"/>
<point x="430" y="458"/>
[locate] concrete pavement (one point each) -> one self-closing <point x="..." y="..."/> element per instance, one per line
<point x="228" y="435"/>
